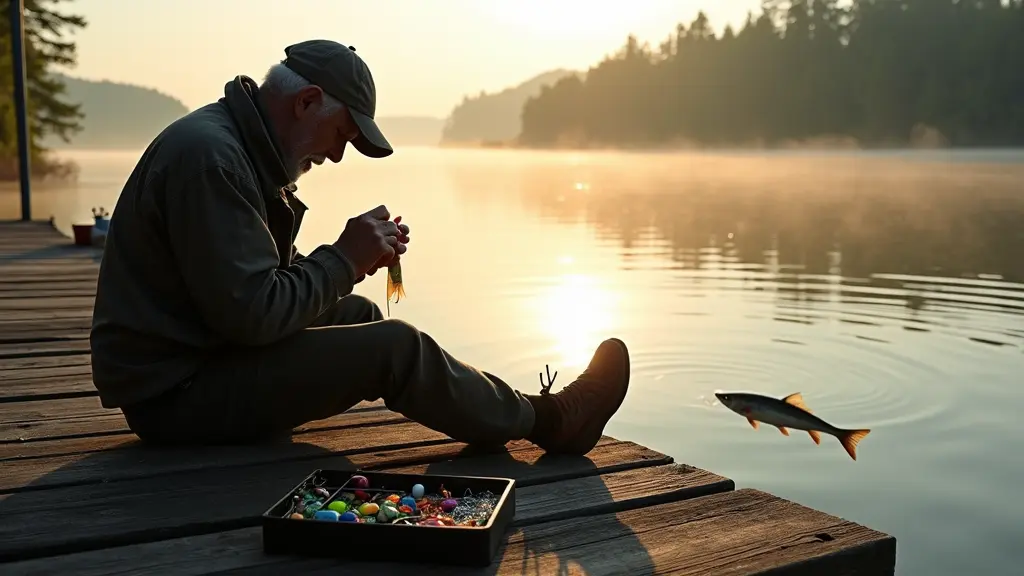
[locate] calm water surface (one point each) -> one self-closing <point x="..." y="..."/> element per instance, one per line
<point x="887" y="288"/>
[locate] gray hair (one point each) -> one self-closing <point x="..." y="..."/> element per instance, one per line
<point x="284" y="81"/>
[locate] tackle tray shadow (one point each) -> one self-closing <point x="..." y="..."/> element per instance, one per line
<point x="446" y="544"/>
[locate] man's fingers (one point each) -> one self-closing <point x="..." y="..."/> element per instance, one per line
<point x="389" y="253"/>
<point x="379" y="213"/>
<point x="390" y="228"/>
<point x="404" y="229"/>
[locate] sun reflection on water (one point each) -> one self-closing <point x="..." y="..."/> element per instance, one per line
<point x="576" y="314"/>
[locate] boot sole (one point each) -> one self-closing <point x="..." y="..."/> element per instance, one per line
<point x="591" y="435"/>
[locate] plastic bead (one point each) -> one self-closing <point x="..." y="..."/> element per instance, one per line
<point x="329" y="515"/>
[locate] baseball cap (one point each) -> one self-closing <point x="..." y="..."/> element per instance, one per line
<point x="338" y="71"/>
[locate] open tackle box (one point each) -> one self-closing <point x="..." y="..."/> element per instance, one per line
<point x="438" y="519"/>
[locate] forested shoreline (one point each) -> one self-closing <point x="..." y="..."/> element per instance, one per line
<point x="856" y="73"/>
<point x="867" y="73"/>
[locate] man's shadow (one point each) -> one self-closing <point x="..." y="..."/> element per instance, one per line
<point x="535" y="542"/>
<point x="90" y="504"/>
<point x="538" y="543"/>
<point x="137" y="493"/>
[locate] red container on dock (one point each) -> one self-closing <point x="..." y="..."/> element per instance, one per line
<point x="83" y="234"/>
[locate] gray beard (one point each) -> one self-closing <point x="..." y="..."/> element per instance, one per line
<point x="293" y="157"/>
<point x="293" y="166"/>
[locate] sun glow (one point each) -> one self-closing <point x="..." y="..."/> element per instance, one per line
<point x="561" y="17"/>
<point x="577" y="313"/>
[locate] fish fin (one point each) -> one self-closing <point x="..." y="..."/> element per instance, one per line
<point x="752" y="422"/>
<point x="783" y="430"/>
<point x="796" y="399"/>
<point x="850" y="439"/>
<point x="815" y="436"/>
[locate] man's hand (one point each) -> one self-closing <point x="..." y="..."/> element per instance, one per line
<point x="403" y="239"/>
<point x="371" y="240"/>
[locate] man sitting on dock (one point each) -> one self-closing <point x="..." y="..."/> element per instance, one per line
<point x="210" y="327"/>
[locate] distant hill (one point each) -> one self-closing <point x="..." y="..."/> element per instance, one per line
<point x="411" y="130"/>
<point x="117" y="116"/>
<point x="128" y="117"/>
<point x="492" y="118"/>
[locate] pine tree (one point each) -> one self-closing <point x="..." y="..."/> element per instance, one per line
<point x="46" y="45"/>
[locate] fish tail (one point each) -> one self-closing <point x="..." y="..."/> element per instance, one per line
<point x="850" y="438"/>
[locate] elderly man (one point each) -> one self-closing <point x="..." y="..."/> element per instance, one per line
<point x="209" y="326"/>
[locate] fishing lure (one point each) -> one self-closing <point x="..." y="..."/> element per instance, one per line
<point x="395" y="287"/>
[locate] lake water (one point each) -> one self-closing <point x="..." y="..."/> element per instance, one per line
<point x="888" y="288"/>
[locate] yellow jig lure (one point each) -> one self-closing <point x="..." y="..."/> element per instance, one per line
<point x="395" y="287"/>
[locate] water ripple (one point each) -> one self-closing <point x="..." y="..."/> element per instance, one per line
<point x="879" y="386"/>
<point x="875" y="352"/>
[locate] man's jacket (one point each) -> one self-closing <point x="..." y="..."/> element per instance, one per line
<point x="200" y="254"/>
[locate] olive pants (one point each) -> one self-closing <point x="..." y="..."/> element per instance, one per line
<point x="351" y="354"/>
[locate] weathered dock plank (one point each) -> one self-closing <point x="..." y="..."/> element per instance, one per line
<point x="43" y="428"/>
<point x="127" y="459"/>
<point x="47" y="348"/>
<point x="12" y="413"/>
<point x="10" y="315"/>
<point x="70" y="303"/>
<point x="47" y="291"/>
<point x="741" y="533"/>
<point x="22" y="367"/>
<point x="42" y="377"/>
<point x="79" y="493"/>
<point x="589" y="495"/>
<point x="209" y="498"/>
<point x="33" y="277"/>
<point x="65" y="326"/>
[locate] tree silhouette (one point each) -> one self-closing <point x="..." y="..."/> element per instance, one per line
<point x="45" y="46"/>
<point x="883" y="72"/>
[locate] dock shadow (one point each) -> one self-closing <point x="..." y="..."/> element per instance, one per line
<point x="530" y="550"/>
<point x="79" y="502"/>
<point x="178" y="492"/>
<point x="539" y="546"/>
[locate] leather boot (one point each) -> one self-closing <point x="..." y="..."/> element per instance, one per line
<point x="572" y="421"/>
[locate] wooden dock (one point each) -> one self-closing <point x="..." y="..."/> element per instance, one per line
<point x="78" y="494"/>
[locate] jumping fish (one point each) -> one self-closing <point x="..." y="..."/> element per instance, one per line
<point x="789" y="412"/>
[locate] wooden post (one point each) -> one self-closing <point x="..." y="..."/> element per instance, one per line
<point x="17" y="11"/>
